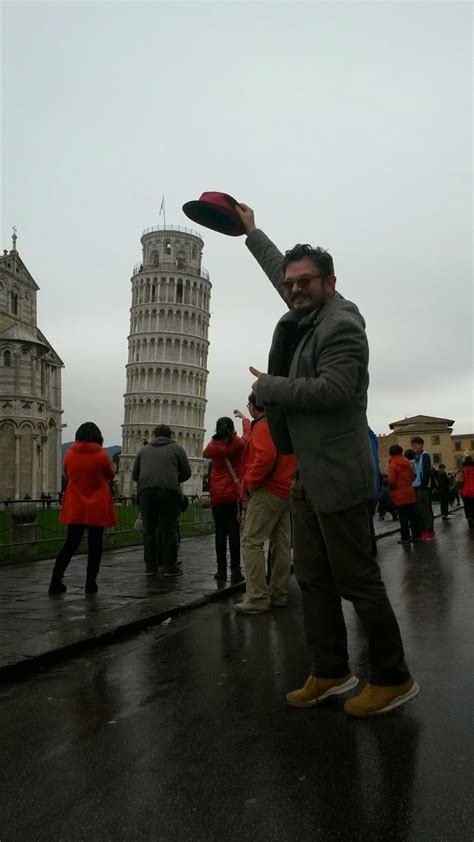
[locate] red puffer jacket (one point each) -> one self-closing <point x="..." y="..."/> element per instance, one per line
<point x="467" y="488"/>
<point x="222" y="487"/>
<point x="263" y="467"/>
<point x="400" y="480"/>
<point x="88" y="498"/>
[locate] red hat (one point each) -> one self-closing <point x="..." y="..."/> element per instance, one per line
<point x="216" y="211"/>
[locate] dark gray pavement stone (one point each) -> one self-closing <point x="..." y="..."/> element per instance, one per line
<point x="36" y="630"/>
<point x="181" y="732"/>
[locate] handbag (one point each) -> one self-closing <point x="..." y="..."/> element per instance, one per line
<point x="138" y="525"/>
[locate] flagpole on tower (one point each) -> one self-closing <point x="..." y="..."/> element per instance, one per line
<point x="163" y="210"/>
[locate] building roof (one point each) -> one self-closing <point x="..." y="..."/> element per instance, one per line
<point x="420" y="421"/>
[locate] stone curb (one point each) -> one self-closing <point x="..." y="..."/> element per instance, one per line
<point x="47" y="659"/>
<point x="27" y="666"/>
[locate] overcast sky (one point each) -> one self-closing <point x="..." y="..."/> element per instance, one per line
<point x="346" y="125"/>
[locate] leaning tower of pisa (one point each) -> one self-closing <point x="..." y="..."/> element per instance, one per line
<point x="167" y="348"/>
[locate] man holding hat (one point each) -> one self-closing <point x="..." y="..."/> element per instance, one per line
<point x="315" y="399"/>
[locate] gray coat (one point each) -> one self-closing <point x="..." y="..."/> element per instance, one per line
<point x="316" y="406"/>
<point x="161" y="464"/>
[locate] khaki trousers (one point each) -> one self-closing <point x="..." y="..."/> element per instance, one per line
<point x="267" y="518"/>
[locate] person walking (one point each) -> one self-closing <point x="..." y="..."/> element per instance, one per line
<point x="87" y="503"/>
<point x="160" y="467"/>
<point x="225" y="452"/>
<point x="266" y="481"/>
<point x="400" y="483"/>
<point x="444" y="483"/>
<point x="466" y="489"/>
<point x="315" y="399"/>
<point x="422" y="486"/>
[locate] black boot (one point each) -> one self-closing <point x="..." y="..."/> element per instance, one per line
<point x="91" y="586"/>
<point x="221" y="574"/>
<point x="57" y="585"/>
<point x="236" y="576"/>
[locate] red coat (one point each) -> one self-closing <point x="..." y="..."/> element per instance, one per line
<point x="263" y="467"/>
<point x="88" y="498"/>
<point x="222" y="487"/>
<point x="400" y="480"/>
<point x="467" y="488"/>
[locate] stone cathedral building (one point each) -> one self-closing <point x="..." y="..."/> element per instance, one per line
<point x="30" y="389"/>
<point x="167" y="348"/>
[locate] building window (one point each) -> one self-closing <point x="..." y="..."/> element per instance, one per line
<point x="472" y="444"/>
<point x="457" y="445"/>
<point x="7" y="359"/>
<point x="14" y="303"/>
<point x="179" y="292"/>
<point x="168" y="247"/>
<point x="437" y="458"/>
<point x="434" y="439"/>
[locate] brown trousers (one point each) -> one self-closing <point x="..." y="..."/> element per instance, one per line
<point x="332" y="559"/>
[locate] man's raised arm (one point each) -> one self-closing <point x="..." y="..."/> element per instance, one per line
<point x="265" y="252"/>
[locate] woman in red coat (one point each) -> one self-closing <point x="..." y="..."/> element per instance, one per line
<point x="467" y="489"/>
<point x="87" y="504"/>
<point x="400" y="483"/>
<point x="225" y="450"/>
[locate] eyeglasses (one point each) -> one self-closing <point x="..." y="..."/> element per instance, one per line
<point x="302" y="282"/>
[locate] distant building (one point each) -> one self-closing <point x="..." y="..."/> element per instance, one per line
<point x="462" y="446"/>
<point x="166" y="372"/>
<point x="444" y="447"/>
<point x="30" y="389"/>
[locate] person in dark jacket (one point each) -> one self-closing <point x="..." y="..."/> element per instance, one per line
<point x="160" y="468"/>
<point x="444" y="483"/>
<point x="225" y="451"/>
<point x="315" y="399"/>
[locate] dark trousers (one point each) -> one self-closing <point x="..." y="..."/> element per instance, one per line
<point x="227" y="527"/>
<point x="160" y="511"/>
<point x="444" y="502"/>
<point x="332" y="559"/>
<point x="75" y="532"/>
<point x="468" y="503"/>
<point x="409" y="520"/>
<point x="425" y="510"/>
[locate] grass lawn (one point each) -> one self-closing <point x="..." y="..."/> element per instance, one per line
<point x="51" y="533"/>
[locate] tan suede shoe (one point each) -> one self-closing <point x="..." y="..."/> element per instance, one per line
<point x="317" y="689"/>
<point x="375" y="700"/>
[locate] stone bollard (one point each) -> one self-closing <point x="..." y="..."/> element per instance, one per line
<point x="24" y="537"/>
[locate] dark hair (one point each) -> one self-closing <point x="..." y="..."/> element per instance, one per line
<point x="320" y="257"/>
<point x="417" y="440"/>
<point x="253" y="401"/>
<point x="441" y="466"/>
<point x="468" y="460"/>
<point x="410" y="454"/>
<point x="395" y="450"/>
<point x="224" y="428"/>
<point x="162" y="430"/>
<point x="89" y="432"/>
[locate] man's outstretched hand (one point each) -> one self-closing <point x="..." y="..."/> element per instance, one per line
<point x="247" y="217"/>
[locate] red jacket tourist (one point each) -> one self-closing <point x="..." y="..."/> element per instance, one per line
<point x="262" y="466"/>
<point x="400" y="480"/>
<point x="88" y="498"/>
<point x="467" y="488"/>
<point x="222" y="486"/>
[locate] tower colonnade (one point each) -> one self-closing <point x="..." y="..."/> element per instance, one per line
<point x="166" y="371"/>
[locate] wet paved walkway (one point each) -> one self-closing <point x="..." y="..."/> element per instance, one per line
<point x="36" y="629"/>
<point x="181" y="732"/>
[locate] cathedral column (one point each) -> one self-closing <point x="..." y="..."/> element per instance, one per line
<point x="34" y="474"/>
<point x="17" y="373"/>
<point x="17" y="465"/>
<point x="44" y="466"/>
